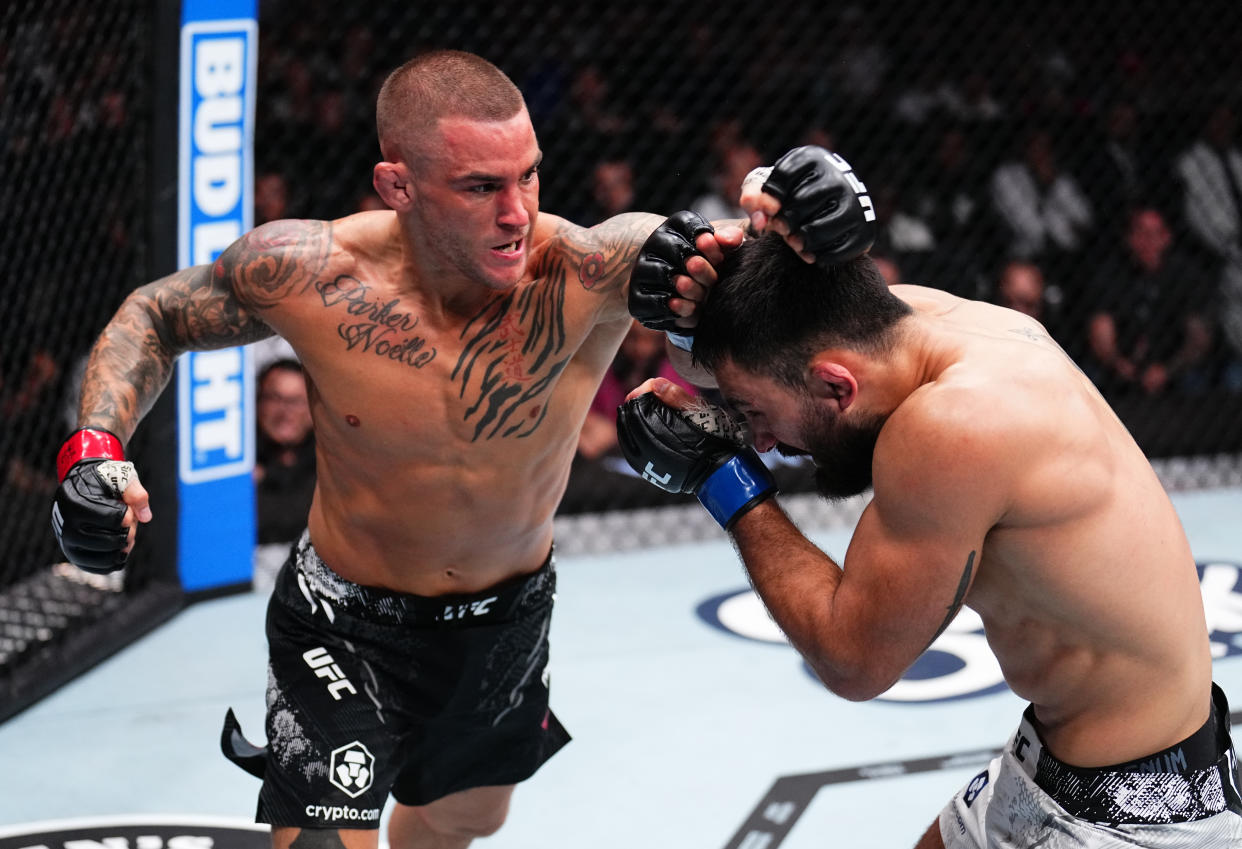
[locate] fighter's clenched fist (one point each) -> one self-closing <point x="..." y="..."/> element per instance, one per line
<point x="813" y="198"/>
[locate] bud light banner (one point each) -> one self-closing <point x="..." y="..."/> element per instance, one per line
<point x="215" y="389"/>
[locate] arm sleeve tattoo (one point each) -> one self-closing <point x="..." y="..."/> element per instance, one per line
<point x="199" y="308"/>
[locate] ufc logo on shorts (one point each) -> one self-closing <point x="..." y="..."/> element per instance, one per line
<point x="319" y="660"/>
<point x="474" y="608"/>
<point x="864" y="199"/>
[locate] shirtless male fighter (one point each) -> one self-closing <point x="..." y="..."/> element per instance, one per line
<point x="452" y="346"/>
<point x="1001" y="480"/>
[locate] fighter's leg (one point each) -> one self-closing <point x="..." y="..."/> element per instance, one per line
<point x="450" y="822"/>
<point x="324" y="838"/>
<point x="932" y="839"/>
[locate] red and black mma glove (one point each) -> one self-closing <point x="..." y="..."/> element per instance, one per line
<point x="662" y="257"/>
<point x="824" y="202"/>
<point x="88" y="510"/>
<point x="695" y="451"/>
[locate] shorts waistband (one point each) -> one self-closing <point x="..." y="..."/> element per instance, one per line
<point x="1187" y="781"/>
<point x="508" y="600"/>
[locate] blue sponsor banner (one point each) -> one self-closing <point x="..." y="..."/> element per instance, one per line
<point x="215" y="389"/>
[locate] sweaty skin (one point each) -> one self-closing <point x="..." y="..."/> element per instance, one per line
<point x="1003" y="481"/>
<point x="451" y="355"/>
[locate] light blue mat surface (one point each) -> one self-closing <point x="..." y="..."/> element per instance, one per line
<point x="681" y="726"/>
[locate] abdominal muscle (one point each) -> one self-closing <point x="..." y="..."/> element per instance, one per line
<point x="1114" y="658"/>
<point x="434" y="529"/>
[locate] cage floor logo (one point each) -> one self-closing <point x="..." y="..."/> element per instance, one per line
<point x="352" y="769"/>
<point x="960" y="664"/>
<point x="137" y="832"/>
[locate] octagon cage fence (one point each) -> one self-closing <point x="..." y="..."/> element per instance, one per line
<point x="1076" y="160"/>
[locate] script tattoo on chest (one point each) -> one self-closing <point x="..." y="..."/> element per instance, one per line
<point x="513" y="352"/>
<point x="374" y="325"/>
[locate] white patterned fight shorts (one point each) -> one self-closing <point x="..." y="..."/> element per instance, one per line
<point x="1184" y="797"/>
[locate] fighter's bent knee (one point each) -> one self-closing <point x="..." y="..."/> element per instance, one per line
<point x="452" y="823"/>
<point x="452" y="826"/>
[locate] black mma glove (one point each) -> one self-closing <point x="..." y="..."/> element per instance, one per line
<point x="824" y="202"/>
<point x="696" y="451"/>
<point x="662" y="257"/>
<point x="88" y="510"/>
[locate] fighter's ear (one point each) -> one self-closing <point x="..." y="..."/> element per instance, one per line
<point x="393" y="182"/>
<point x="832" y="381"/>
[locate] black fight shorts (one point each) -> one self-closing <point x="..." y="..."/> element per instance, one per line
<point x="371" y="692"/>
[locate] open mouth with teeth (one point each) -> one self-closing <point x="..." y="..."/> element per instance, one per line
<point x="511" y="248"/>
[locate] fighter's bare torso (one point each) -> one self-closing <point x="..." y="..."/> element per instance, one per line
<point x="1085" y="581"/>
<point x="445" y="430"/>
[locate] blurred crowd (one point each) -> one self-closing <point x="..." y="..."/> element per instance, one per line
<point x="1068" y="160"/>
<point x="1092" y="180"/>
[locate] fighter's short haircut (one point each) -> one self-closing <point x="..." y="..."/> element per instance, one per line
<point x="770" y="312"/>
<point x="437" y="84"/>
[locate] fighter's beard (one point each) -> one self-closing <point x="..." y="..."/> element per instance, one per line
<point x="842" y="452"/>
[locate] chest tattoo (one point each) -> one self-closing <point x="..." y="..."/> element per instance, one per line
<point x="373" y="325"/>
<point x="513" y="352"/>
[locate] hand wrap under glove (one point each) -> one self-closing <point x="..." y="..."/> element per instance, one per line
<point x="662" y="257"/>
<point x="696" y="451"/>
<point x="824" y="202"/>
<point x="88" y="510"/>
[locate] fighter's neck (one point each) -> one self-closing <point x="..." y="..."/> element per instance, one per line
<point x="919" y="356"/>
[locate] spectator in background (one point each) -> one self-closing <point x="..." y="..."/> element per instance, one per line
<point x="284" y="469"/>
<point x="31" y="393"/>
<point x="951" y="196"/>
<point x="369" y="201"/>
<point x="642" y="355"/>
<point x="889" y="268"/>
<point x="1210" y="172"/>
<point x="271" y="197"/>
<point x="1117" y="173"/>
<point x="901" y="233"/>
<point x="1044" y="213"/>
<point x="734" y="161"/>
<point x="612" y="191"/>
<point x="1148" y="327"/>
<point x="1021" y="286"/>
<point x="861" y="60"/>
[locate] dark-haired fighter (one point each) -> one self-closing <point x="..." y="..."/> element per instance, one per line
<point x="1002" y="481"/>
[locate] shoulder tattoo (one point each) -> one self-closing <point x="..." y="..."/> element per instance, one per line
<point x="275" y="260"/>
<point x="600" y="258"/>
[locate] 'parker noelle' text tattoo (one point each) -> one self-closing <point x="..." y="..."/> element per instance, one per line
<point x="375" y="325"/>
<point x="513" y="353"/>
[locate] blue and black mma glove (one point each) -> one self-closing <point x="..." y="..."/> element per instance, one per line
<point x="699" y="451"/>
<point x="823" y="201"/>
<point x="662" y="257"/>
<point x="88" y="511"/>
